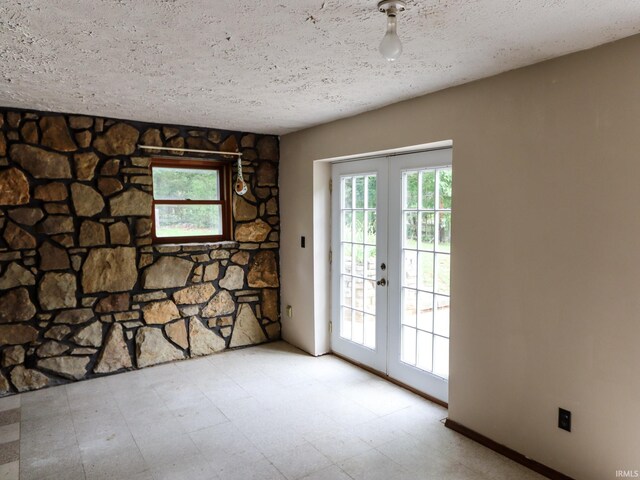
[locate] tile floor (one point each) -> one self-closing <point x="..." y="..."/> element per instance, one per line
<point x="9" y="437"/>
<point x="268" y="412"/>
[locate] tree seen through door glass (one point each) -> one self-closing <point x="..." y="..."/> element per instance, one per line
<point x="347" y="226"/>
<point x="444" y="189"/>
<point x="347" y="258"/>
<point x="428" y="187"/>
<point x="444" y="232"/>
<point x="410" y="229"/>
<point x="370" y="228"/>
<point x="347" y="192"/>
<point x="411" y="190"/>
<point x="427" y="230"/>
<point x="372" y="192"/>
<point x="360" y="192"/>
<point x="370" y="262"/>
<point x="359" y="224"/>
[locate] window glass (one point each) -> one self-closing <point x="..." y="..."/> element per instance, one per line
<point x="185" y="184"/>
<point x="188" y="220"/>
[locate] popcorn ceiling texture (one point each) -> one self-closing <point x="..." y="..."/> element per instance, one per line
<point x="274" y="66"/>
<point x="82" y="290"/>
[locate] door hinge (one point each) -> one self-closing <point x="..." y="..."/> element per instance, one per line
<point x="330" y="257"/>
<point x="330" y="327"/>
<point x="331" y="185"/>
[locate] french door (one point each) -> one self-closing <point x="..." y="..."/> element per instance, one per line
<point x="391" y="243"/>
<point x="359" y="247"/>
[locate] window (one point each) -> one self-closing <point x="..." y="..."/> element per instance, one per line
<point x="191" y="200"/>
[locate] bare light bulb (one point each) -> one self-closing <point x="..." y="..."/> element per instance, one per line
<point x="391" y="46"/>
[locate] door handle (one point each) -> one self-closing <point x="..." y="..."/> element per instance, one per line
<point x="382" y="282"/>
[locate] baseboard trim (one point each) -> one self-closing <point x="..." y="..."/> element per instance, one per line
<point x="506" y="451"/>
<point x="392" y="380"/>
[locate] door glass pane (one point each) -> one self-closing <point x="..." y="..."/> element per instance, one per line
<point x="409" y="307"/>
<point x="345" y="323"/>
<point x="370" y="233"/>
<point x="425" y="351"/>
<point x="428" y="189"/>
<point x="444" y="232"/>
<point x="372" y="192"/>
<point x="346" y="228"/>
<point x="370" y="262"/>
<point x="410" y="181"/>
<point x="425" y="311"/>
<point x="369" y="331"/>
<point x="347" y="258"/>
<point x="441" y="356"/>
<point x="358" y="293"/>
<point x="427" y="230"/>
<point x="408" y="350"/>
<point x="346" y="290"/>
<point x="370" y="296"/>
<point x="425" y="271"/>
<point x="426" y="247"/>
<point x="360" y="193"/>
<point x="358" y="260"/>
<point x="347" y="192"/>
<point x="409" y="267"/>
<point x="358" y="327"/>
<point x="358" y="234"/>
<point x="444" y="189"/>
<point x="410" y="228"/>
<point x="441" y="316"/>
<point x="442" y="273"/>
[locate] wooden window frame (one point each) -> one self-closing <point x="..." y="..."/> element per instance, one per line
<point x="224" y="175"/>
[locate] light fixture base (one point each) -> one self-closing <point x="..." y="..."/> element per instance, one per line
<point x="391" y="7"/>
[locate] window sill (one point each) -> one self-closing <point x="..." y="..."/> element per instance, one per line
<point x="186" y="246"/>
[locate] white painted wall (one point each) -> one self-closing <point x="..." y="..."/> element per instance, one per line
<point x="321" y="247"/>
<point x="545" y="269"/>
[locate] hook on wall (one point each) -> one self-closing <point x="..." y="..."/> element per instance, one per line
<point x="240" y="185"/>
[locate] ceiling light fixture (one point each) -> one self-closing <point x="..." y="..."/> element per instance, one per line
<point x="391" y="46"/>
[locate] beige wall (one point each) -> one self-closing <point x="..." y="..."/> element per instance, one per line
<point x="545" y="272"/>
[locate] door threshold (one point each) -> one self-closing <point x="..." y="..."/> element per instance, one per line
<point x="392" y="380"/>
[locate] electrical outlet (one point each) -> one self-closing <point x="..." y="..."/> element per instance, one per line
<point x="564" y="419"/>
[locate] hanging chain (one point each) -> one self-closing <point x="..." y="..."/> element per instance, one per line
<point x="241" y="186"/>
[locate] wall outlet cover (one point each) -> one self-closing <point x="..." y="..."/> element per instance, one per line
<point x="564" y="419"/>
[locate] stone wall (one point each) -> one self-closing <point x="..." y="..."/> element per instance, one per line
<point x="83" y="292"/>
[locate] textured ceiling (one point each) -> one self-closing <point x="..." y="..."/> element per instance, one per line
<point x="274" y="66"/>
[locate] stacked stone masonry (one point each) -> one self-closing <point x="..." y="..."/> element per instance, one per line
<point x="83" y="291"/>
